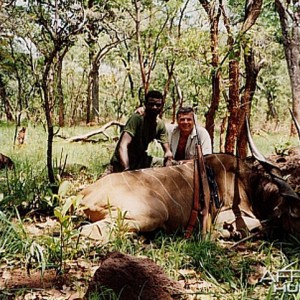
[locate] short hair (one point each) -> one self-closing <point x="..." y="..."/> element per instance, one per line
<point x="153" y="94"/>
<point x="184" y="110"/>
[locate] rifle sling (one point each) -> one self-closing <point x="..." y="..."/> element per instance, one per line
<point x="205" y="192"/>
<point x="196" y="202"/>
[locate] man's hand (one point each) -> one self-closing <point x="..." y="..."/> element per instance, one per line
<point x="140" y="111"/>
<point x="168" y="155"/>
<point x="168" y="158"/>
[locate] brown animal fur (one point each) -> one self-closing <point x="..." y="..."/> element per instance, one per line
<point x="6" y="162"/>
<point x="161" y="198"/>
<point x="21" y="136"/>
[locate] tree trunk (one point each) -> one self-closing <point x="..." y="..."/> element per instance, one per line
<point x="59" y="88"/>
<point x="50" y="132"/>
<point x="252" y="70"/>
<point x="289" y="20"/>
<point x="19" y="101"/>
<point x="127" y="65"/>
<point x="145" y="84"/>
<point x="3" y="97"/>
<point x="48" y="106"/>
<point x="147" y="64"/>
<point x="95" y="93"/>
<point x="89" y="99"/>
<point x="233" y="105"/>
<point x="60" y="96"/>
<point x="214" y="12"/>
<point x="93" y="78"/>
<point x="215" y="99"/>
<point x="236" y="114"/>
<point x="92" y="107"/>
<point x="90" y="85"/>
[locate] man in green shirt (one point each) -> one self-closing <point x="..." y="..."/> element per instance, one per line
<point x="139" y="131"/>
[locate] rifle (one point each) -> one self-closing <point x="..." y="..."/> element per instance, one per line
<point x="200" y="178"/>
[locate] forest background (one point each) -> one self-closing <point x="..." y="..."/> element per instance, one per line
<point x="65" y="63"/>
<point x="68" y="66"/>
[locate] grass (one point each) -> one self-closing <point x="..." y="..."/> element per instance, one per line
<point x="91" y="155"/>
<point x="224" y="273"/>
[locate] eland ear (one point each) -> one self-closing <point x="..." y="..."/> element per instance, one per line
<point x="285" y="189"/>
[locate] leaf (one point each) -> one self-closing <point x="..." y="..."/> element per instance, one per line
<point x="67" y="206"/>
<point x="77" y="200"/>
<point x="64" y="188"/>
<point x="58" y="214"/>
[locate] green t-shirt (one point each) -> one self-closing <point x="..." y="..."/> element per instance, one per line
<point x="142" y="133"/>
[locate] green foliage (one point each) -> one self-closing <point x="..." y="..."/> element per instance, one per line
<point x="64" y="214"/>
<point x="282" y="148"/>
<point x="45" y="250"/>
<point x="103" y="294"/>
<point x="25" y="189"/>
<point x="16" y="243"/>
<point x="181" y="34"/>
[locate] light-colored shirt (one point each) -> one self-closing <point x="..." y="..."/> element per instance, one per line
<point x="192" y="141"/>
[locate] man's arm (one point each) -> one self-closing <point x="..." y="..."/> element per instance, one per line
<point x="123" y="150"/>
<point x="168" y="154"/>
<point x="164" y="140"/>
<point x="205" y="140"/>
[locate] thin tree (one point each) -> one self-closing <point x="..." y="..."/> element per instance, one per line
<point x="289" y="14"/>
<point x="147" y="52"/>
<point x="237" y="115"/>
<point x="214" y="13"/>
<point x="101" y="36"/>
<point x="59" y="22"/>
<point x="237" y="106"/>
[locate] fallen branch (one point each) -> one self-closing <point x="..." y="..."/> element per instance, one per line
<point x="245" y="239"/>
<point x="85" y="137"/>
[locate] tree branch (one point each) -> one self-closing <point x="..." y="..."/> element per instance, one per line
<point x="84" y="137"/>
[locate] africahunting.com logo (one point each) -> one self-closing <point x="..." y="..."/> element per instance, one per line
<point x="283" y="281"/>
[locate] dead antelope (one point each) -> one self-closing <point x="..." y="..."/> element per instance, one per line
<point x="248" y="193"/>
<point x="162" y="198"/>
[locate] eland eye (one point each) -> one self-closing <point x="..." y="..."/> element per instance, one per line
<point x="294" y="212"/>
<point x="277" y="212"/>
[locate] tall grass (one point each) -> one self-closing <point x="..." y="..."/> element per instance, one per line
<point x="92" y="155"/>
<point x="16" y="244"/>
<point x="27" y="188"/>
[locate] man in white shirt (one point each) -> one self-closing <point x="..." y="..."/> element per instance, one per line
<point x="183" y="136"/>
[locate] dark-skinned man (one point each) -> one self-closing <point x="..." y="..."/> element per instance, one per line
<point x="139" y="131"/>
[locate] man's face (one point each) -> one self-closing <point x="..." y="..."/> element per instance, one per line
<point x="154" y="106"/>
<point x="186" y="122"/>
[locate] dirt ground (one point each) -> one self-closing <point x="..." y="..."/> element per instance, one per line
<point x="289" y="166"/>
<point x="18" y="284"/>
<point x="129" y="277"/>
